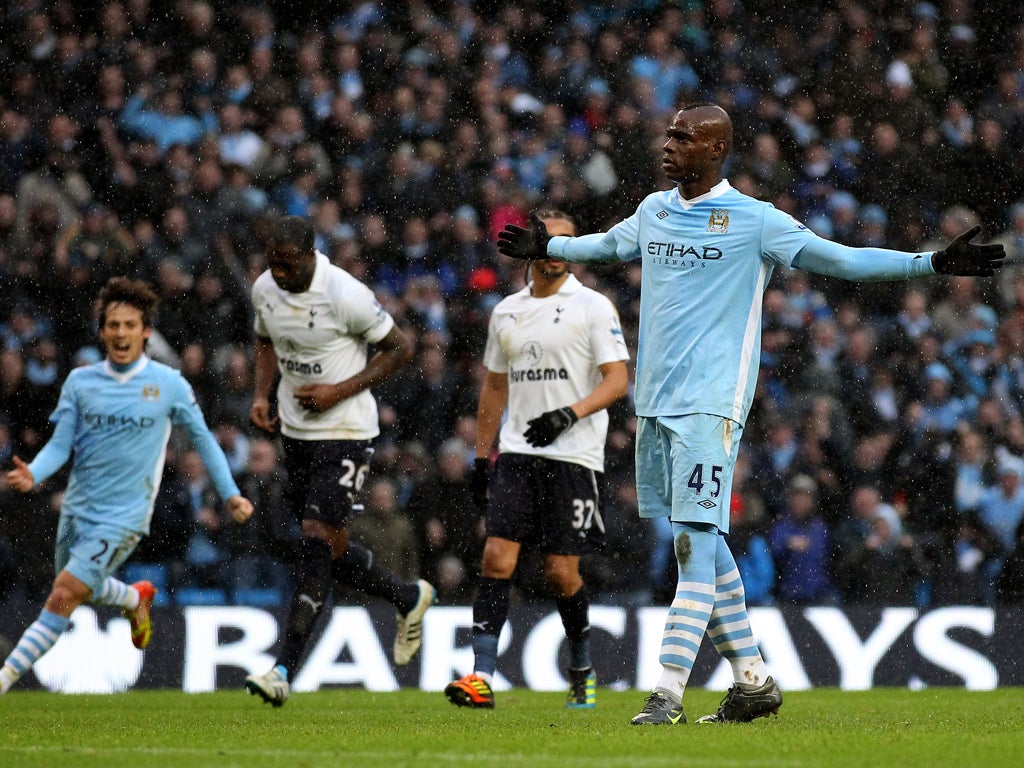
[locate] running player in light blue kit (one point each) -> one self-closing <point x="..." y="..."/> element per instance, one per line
<point x="115" y="417"/>
<point x="708" y="252"/>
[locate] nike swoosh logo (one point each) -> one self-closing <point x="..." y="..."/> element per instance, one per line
<point x="675" y="719"/>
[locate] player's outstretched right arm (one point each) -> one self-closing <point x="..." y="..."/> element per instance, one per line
<point x="529" y="243"/>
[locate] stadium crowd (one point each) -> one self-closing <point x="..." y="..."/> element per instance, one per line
<point x="884" y="461"/>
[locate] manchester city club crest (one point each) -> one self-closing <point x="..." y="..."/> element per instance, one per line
<point x="151" y="392"/>
<point x="719" y="220"/>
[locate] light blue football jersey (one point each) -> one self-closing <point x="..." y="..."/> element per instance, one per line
<point x="120" y="424"/>
<point x="706" y="263"/>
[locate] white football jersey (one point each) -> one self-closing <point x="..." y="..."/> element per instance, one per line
<point x="321" y="337"/>
<point x="551" y="349"/>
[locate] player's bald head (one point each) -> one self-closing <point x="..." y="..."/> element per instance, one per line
<point x="709" y="121"/>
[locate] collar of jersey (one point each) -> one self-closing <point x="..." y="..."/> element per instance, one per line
<point x="571" y="285"/>
<point x="131" y="373"/>
<point x="319" y="281"/>
<point x="716" y="191"/>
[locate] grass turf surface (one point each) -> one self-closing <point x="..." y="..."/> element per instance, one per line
<point x="820" y="728"/>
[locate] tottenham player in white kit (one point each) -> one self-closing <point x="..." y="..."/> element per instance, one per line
<point x="314" y="322"/>
<point x="113" y="419"/>
<point x="555" y="360"/>
<point x="708" y="252"/>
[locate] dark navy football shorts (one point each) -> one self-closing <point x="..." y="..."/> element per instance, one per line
<point x="553" y="505"/>
<point x="325" y="479"/>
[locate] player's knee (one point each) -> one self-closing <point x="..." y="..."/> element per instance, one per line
<point x="683" y="548"/>
<point x="335" y="538"/>
<point x="497" y="564"/>
<point x="563" y="580"/>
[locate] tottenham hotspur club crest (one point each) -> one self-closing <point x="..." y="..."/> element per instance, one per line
<point x="719" y="220"/>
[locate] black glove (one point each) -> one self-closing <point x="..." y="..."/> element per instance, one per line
<point x="546" y="428"/>
<point x="530" y="243"/>
<point x="960" y="257"/>
<point x="481" y="477"/>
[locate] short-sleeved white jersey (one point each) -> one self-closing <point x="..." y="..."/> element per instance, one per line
<point x="551" y="349"/>
<point x="321" y="337"/>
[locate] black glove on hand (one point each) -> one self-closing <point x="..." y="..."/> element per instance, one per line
<point x="481" y="477"/>
<point x="546" y="428"/>
<point x="961" y="257"/>
<point x="529" y="243"/>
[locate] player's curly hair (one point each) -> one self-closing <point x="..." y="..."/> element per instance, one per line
<point x="293" y="230"/>
<point x="124" y="290"/>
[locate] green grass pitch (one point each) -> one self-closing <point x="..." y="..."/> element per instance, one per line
<point x="821" y="728"/>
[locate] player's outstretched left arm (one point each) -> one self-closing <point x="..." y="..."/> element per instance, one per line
<point x="868" y="264"/>
<point x="967" y="259"/>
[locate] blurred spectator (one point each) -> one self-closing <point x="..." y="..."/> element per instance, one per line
<point x="448" y="525"/>
<point x="972" y="471"/>
<point x="1010" y="584"/>
<point x="387" y="532"/>
<point x="800" y="546"/>
<point x="1012" y="240"/>
<point x="23" y="327"/>
<point x="940" y="410"/>
<point x="959" y="552"/>
<point x="610" y="572"/>
<point x="961" y="312"/>
<point x="751" y="550"/>
<point x="886" y="568"/>
<point x="234" y="391"/>
<point x="237" y="143"/>
<point x="428" y="395"/>
<point x="988" y="157"/>
<point x="57" y="188"/>
<point x="854" y="369"/>
<point x="161" y="117"/>
<point x="215" y="314"/>
<point x="172" y="525"/>
<point x="766" y="166"/>
<point x="895" y="179"/>
<point x="233" y="442"/>
<point x="912" y="320"/>
<point x="1001" y="507"/>
<point x="205" y="553"/>
<point x="262" y="550"/>
<point x="865" y="503"/>
<point x="195" y="368"/>
<point x="26" y="407"/>
<point x="775" y="463"/>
